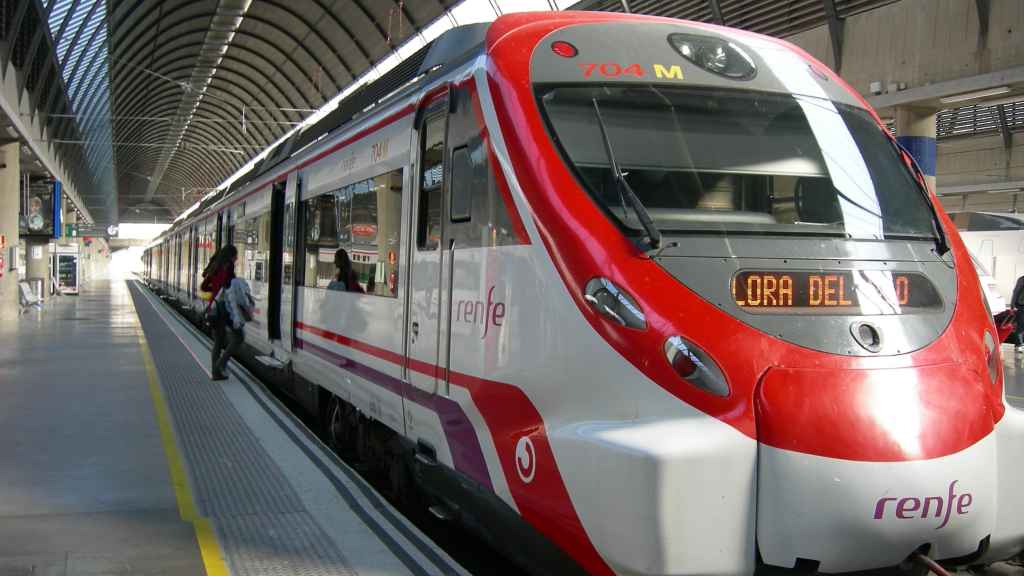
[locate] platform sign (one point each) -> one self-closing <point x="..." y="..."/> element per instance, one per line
<point x="37" y="217"/>
<point x="58" y="208"/>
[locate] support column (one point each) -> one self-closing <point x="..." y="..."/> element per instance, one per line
<point x="915" y="131"/>
<point x="10" y="207"/>
<point x="70" y="217"/>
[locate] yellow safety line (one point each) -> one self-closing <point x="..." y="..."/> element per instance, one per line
<point x="209" y="547"/>
<point x="1010" y="396"/>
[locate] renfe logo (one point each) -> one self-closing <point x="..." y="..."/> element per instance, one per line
<point x="912" y="507"/>
<point x="478" y="313"/>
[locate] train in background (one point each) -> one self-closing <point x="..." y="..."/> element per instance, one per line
<point x="997" y="241"/>
<point x="641" y="296"/>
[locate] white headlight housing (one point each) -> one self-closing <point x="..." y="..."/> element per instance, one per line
<point x="715" y="55"/>
<point x="612" y="302"/>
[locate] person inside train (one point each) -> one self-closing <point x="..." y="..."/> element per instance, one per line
<point x="345" y="279"/>
<point x="233" y="306"/>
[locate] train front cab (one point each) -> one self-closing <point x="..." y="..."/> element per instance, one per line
<point x="808" y="308"/>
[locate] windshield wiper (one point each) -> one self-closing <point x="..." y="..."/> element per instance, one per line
<point x="941" y="243"/>
<point x="625" y="190"/>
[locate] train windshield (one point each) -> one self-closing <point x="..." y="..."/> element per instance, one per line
<point x="703" y="160"/>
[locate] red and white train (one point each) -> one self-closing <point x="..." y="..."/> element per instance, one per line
<point x="642" y="296"/>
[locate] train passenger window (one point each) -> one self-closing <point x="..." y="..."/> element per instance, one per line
<point x="240" y="235"/>
<point x="366" y="218"/>
<point x="320" y="240"/>
<point x="364" y="213"/>
<point x="428" y="230"/>
<point x="479" y="213"/>
<point x="373" y="237"/>
<point x="255" y="252"/>
<point x="376" y="248"/>
<point x="462" y="185"/>
<point x="343" y="202"/>
<point x="287" y="266"/>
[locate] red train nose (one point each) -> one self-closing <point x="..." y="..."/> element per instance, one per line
<point x="889" y="459"/>
<point x="885" y="415"/>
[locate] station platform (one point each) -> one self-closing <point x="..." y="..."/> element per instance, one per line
<point x="120" y="456"/>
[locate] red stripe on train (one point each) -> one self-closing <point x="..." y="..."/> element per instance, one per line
<point x="511" y="418"/>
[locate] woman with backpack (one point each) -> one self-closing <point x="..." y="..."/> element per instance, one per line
<point x="232" y="306"/>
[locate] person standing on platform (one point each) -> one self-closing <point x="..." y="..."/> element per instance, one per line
<point x="232" y="307"/>
<point x="1017" y="303"/>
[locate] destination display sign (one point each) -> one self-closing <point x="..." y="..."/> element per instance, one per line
<point x="834" y="292"/>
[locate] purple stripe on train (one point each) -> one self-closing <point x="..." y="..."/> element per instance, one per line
<point x="463" y="443"/>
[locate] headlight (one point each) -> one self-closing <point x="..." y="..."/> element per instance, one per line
<point x="714" y="55"/>
<point x="695" y="366"/>
<point x="608" y="299"/>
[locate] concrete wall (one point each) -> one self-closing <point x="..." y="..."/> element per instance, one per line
<point x="980" y="159"/>
<point x="918" y="42"/>
<point x="922" y="41"/>
<point x="10" y="201"/>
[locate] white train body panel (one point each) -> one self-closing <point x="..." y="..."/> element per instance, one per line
<point x="483" y="355"/>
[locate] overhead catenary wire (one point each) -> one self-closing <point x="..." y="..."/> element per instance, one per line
<point x="232" y="148"/>
<point x="178" y="118"/>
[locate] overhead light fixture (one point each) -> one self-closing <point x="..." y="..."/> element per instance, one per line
<point x="974" y="95"/>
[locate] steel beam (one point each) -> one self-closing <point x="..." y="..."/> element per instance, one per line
<point x="928" y="95"/>
<point x="835" y="33"/>
<point x="984" y="9"/>
<point x="32" y="132"/>
<point x="965" y="189"/>
<point x="716" y="12"/>
<point x="1004" y="128"/>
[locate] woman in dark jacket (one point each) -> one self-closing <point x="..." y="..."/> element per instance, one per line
<point x="221" y="271"/>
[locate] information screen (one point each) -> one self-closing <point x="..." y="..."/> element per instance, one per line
<point x="67" y="271"/>
<point x="834" y="292"/>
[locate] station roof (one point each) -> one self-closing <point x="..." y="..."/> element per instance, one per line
<point x="772" y="18"/>
<point x="198" y="87"/>
<point x="162" y="100"/>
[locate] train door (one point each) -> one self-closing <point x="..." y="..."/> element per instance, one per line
<point x="221" y="238"/>
<point x="230" y="222"/>
<point x="177" y="262"/>
<point x="288" y="198"/>
<point x="424" y="296"/>
<point x="276" y="257"/>
<point x="196" y="265"/>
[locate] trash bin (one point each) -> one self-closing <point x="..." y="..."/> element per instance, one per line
<point x="38" y="286"/>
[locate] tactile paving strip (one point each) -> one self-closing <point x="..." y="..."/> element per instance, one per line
<point x="263" y="527"/>
<point x="282" y="544"/>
